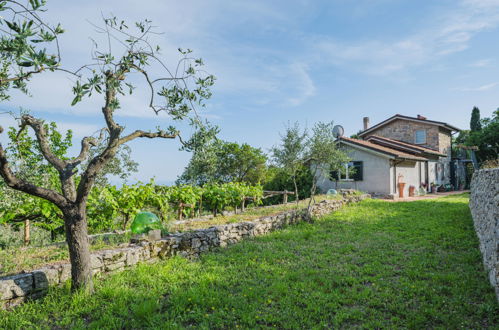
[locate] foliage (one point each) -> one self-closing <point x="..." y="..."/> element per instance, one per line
<point x="279" y="180"/>
<point x="22" y="51"/>
<point x="121" y="166"/>
<point x="290" y="155"/>
<point x="373" y="265"/>
<point x="220" y="196"/>
<point x="174" y="90"/>
<point x="217" y="161"/>
<point x="323" y="153"/>
<point x="28" y="162"/>
<point x="475" y="124"/>
<point x="110" y="206"/>
<point x="491" y="163"/>
<point x="486" y="139"/>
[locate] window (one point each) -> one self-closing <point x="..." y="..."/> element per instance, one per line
<point x="357" y="173"/>
<point x="353" y="171"/>
<point x="420" y="136"/>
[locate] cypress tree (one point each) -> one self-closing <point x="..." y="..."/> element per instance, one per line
<point x="475" y="124"/>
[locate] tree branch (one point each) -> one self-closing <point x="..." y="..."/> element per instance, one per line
<point x="41" y="135"/>
<point x="15" y="183"/>
<point x="86" y="144"/>
<point x="24" y="76"/>
<point x="143" y="134"/>
<point x="96" y="164"/>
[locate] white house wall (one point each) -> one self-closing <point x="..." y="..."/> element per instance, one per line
<point x="376" y="174"/>
<point x="432" y="173"/>
<point x="408" y="172"/>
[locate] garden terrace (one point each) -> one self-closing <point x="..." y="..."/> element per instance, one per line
<point x="369" y="265"/>
<point x="15" y="260"/>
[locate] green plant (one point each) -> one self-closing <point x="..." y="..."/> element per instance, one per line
<point x="29" y="46"/>
<point x="371" y="265"/>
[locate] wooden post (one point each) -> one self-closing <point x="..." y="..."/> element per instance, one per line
<point x="285" y="197"/>
<point x="180" y="211"/>
<point x="26" y="232"/>
<point x="200" y="206"/>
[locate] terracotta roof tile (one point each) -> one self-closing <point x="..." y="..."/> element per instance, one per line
<point x="385" y="150"/>
<point x="410" y="145"/>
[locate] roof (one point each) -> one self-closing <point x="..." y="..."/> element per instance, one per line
<point x="398" y="116"/>
<point x="382" y="149"/>
<point x="404" y="145"/>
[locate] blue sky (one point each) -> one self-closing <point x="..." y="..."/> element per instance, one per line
<point x="280" y="61"/>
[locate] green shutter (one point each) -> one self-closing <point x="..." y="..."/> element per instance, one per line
<point x="359" y="171"/>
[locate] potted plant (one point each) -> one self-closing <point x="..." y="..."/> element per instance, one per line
<point x="433" y="187"/>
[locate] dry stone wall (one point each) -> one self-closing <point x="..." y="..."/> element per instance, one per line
<point x="484" y="205"/>
<point x="18" y="288"/>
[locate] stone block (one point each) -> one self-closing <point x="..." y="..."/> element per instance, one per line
<point x="132" y="257"/>
<point x="154" y="235"/>
<point x="113" y="256"/>
<point x="195" y="243"/>
<point x="19" y="285"/>
<point x="96" y="261"/>
<point x="50" y="274"/>
<point x="115" y="266"/>
<point x="64" y="272"/>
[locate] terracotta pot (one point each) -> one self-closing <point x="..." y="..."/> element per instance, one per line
<point x="401" y="186"/>
<point x="411" y="191"/>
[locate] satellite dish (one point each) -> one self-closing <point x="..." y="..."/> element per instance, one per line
<point x="338" y="131"/>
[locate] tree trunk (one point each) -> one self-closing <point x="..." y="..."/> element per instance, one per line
<point x="296" y="189"/>
<point x="75" y="223"/>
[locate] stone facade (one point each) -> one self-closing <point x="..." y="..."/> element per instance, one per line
<point x="437" y="138"/>
<point x="405" y="130"/>
<point x="18" y="288"/>
<point x="484" y="205"/>
<point x="444" y="142"/>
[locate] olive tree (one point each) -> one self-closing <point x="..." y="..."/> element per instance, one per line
<point x="290" y="155"/>
<point x="323" y="154"/>
<point x="29" y="46"/>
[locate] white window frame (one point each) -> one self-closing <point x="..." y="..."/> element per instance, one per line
<point x="346" y="177"/>
<point x="416" y="136"/>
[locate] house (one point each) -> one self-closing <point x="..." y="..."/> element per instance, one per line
<point x="401" y="153"/>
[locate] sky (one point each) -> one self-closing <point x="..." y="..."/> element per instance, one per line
<point x="285" y="61"/>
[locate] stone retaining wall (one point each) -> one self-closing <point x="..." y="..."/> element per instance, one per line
<point x="484" y="205"/>
<point x="17" y="288"/>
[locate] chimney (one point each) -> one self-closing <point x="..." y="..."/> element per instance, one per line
<point x="421" y="117"/>
<point x="366" y="123"/>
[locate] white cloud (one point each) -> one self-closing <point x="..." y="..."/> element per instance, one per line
<point x="304" y="84"/>
<point x="483" y="63"/>
<point x="481" y="88"/>
<point x="445" y="34"/>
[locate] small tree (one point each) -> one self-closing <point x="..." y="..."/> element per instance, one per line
<point x="219" y="161"/>
<point x="475" y="124"/>
<point x="174" y="92"/>
<point x="290" y="155"/>
<point x="323" y="154"/>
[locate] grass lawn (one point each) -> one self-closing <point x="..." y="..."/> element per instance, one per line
<point x="370" y="265"/>
<point x="16" y="259"/>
